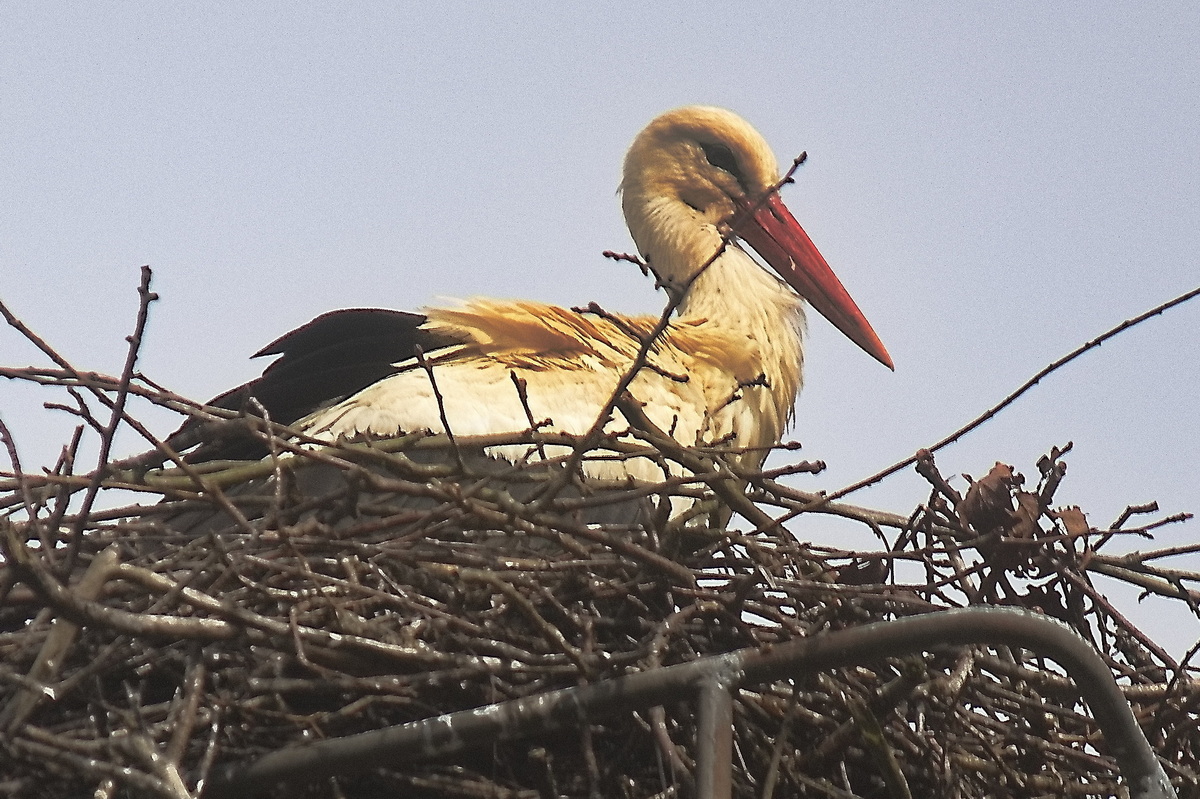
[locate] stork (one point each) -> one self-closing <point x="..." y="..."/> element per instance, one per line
<point x="698" y="183"/>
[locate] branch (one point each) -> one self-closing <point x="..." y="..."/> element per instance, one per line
<point x="145" y="297"/>
<point x="1011" y="398"/>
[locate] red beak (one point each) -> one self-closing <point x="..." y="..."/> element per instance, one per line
<point x="776" y="235"/>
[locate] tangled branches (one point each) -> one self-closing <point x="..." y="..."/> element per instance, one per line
<point x="239" y="608"/>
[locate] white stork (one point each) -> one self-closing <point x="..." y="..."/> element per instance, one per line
<point x="697" y="182"/>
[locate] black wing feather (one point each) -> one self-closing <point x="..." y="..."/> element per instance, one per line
<point x="333" y="356"/>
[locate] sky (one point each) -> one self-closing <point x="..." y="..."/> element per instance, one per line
<point x="995" y="183"/>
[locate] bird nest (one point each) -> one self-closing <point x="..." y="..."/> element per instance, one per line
<point x="232" y="612"/>
<point x="153" y="649"/>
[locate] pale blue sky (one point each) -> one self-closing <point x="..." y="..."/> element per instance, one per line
<point x="995" y="183"/>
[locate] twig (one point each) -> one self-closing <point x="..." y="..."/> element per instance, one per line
<point x="145" y="297"/>
<point x="23" y="487"/>
<point x="1011" y="398"/>
<point x="523" y="396"/>
<point x="1102" y="601"/>
<point x="441" y="404"/>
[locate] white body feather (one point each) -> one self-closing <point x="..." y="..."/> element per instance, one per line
<point x="702" y="384"/>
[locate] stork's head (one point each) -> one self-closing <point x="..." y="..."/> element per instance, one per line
<point x="694" y="173"/>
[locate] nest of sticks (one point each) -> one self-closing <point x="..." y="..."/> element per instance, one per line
<point x="231" y="610"/>
<point x="139" y="658"/>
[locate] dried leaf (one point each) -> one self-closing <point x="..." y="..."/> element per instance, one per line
<point x="988" y="505"/>
<point x="1024" y="524"/>
<point x="1073" y="520"/>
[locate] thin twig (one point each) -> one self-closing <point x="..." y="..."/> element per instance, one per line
<point x="1011" y="398"/>
<point x="441" y="404"/>
<point x="523" y="395"/>
<point x="145" y="297"/>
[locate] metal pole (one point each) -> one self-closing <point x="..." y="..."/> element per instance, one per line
<point x="714" y="738"/>
<point x="1010" y="626"/>
<point x="454" y="732"/>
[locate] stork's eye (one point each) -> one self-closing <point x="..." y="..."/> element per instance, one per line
<point x="721" y="157"/>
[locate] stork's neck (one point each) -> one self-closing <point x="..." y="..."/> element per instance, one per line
<point x="735" y="293"/>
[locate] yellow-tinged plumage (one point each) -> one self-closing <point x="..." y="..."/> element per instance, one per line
<point x="701" y="382"/>
<point x="522" y="334"/>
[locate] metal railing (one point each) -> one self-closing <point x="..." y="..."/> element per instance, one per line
<point x="711" y="682"/>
